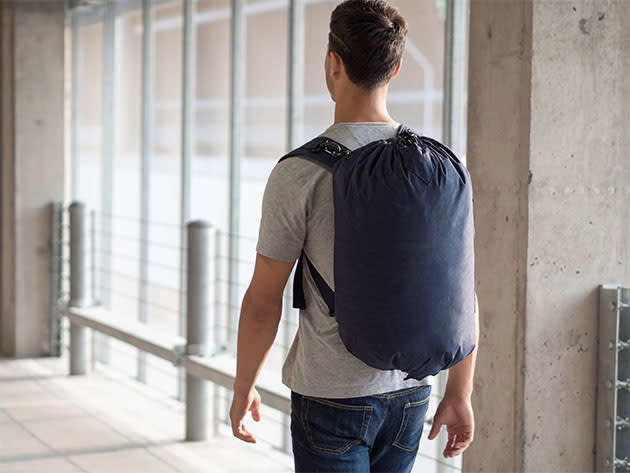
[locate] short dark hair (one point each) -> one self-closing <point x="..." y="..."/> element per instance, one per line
<point x="369" y="36"/>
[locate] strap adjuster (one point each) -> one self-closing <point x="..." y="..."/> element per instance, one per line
<point x="331" y="147"/>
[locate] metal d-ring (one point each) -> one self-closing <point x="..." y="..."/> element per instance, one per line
<point x="332" y="148"/>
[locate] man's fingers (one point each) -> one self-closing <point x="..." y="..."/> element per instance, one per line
<point x="255" y="410"/>
<point x="457" y="444"/>
<point x="435" y="428"/>
<point x="453" y="452"/>
<point x="241" y="432"/>
<point x="460" y="437"/>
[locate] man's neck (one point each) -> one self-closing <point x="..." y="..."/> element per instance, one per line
<point x="356" y="105"/>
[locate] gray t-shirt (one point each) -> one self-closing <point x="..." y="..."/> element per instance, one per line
<point x="298" y="213"/>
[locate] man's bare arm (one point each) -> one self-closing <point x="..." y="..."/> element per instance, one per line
<point x="258" y="324"/>
<point x="455" y="409"/>
<point x="460" y="376"/>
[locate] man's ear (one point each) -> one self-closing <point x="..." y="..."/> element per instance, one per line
<point x="336" y="63"/>
<point x="397" y="70"/>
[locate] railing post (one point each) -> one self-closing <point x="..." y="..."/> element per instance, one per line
<point x="56" y="210"/>
<point x="78" y="334"/>
<point x="200" y="240"/>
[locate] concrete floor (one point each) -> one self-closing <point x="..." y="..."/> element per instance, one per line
<point x="101" y="423"/>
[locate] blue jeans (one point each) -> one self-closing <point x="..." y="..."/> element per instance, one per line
<point x="379" y="433"/>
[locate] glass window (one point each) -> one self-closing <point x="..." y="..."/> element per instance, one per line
<point x="415" y="96"/>
<point x="318" y="106"/>
<point x="89" y="114"/>
<point x="127" y="149"/>
<point x="165" y="193"/>
<point x="165" y="167"/>
<point x="211" y="105"/>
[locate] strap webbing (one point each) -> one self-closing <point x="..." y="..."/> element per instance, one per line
<point x="299" y="301"/>
<point x="298" y="286"/>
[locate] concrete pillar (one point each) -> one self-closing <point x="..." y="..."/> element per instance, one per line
<point x="32" y="167"/>
<point x="549" y="155"/>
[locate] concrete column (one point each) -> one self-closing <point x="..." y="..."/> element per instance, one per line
<point x="549" y="155"/>
<point x="32" y="167"/>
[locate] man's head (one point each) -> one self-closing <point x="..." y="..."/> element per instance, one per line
<point x="368" y="36"/>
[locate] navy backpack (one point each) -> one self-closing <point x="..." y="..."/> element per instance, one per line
<point x="403" y="252"/>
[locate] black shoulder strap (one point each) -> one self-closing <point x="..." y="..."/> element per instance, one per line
<point x="322" y="150"/>
<point x="325" y="152"/>
<point x="299" y="301"/>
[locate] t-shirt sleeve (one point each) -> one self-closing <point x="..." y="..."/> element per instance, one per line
<point x="283" y="222"/>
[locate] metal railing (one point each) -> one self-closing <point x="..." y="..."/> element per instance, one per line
<point x="613" y="380"/>
<point x="204" y="353"/>
<point x="191" y="352"/>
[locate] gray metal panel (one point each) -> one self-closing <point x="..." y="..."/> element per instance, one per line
<point x="622" y="418"/>
<point x="606" y="378"/>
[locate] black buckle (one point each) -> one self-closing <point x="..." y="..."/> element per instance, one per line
<point x="330" y="147"/>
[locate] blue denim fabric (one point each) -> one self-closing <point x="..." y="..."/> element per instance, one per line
<point x="370" y="434"/>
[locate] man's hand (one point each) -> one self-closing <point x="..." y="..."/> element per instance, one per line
<point x="260" y="315"/>
<point x="455" y="410"/>
<point x="241" y="404"/>
<point x="457" y="414"/>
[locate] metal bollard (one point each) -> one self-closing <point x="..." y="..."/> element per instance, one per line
<point x="200" y="240"/>
<point x="78" y="334"/>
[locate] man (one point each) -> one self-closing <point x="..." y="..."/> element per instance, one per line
<point x="346" y="415"/>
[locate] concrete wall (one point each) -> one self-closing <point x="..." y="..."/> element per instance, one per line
<point x="549" y="155"/>
<point x="35" y="173"/>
